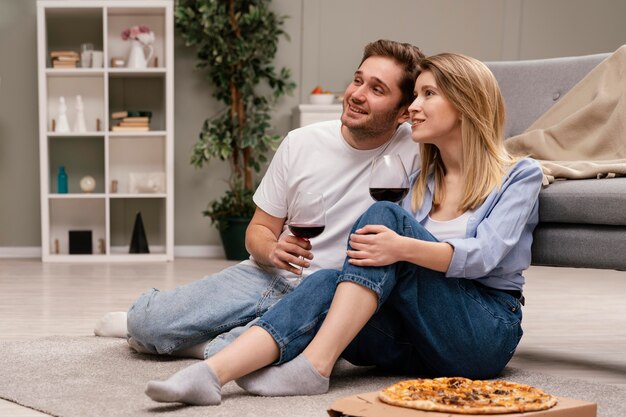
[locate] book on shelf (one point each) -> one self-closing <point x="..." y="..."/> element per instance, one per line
<point x="131" y="124"/>
<point x="65" y="59"/>
<point x="57" y="54"/>
<point x="136" y="119"/>
<point x="130" y="128"/>
<point x="60" y="64"/>
<point x="119" y="114"/>
<point x="131" y="113"/>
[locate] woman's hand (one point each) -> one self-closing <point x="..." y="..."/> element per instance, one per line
<point x="374" y="245"/>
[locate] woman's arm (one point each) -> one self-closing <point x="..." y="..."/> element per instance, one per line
<point x="511" y="218"/>
<point x="376" y="245"/>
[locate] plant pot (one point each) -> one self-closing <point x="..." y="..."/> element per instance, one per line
<point x="233" y="236"/>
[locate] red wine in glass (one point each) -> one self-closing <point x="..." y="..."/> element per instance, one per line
<point x="388" y="179"/>
<point x="394" y="195"/>
<point x="306" y="230"/>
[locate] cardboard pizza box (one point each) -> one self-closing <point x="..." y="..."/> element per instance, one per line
<point x="368" y="405"/>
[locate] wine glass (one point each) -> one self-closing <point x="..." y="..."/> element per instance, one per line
<point x="388" y="179"/>
<point x="308" y="216"/>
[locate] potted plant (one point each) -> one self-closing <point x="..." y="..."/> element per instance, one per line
<point x="236" y="42"/>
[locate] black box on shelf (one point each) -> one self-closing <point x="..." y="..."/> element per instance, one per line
<point x="80" y="242"/>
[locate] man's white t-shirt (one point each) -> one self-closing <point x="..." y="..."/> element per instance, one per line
<point x="316" y="158"/>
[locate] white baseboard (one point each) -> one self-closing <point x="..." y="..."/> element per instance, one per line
<point x="181" y="251"/>
<point x="208" y="251"/>
<point x="20" y="252"/>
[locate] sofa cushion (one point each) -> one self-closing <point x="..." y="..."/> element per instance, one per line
<point x="579" y="246"/>
<point x="584" y="201"/>
<point x="531" y="87"/>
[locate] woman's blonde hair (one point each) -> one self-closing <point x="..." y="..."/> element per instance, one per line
<point x="473" y="90"/>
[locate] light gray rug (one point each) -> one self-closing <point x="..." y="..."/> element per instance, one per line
<point x="91" y="376"/>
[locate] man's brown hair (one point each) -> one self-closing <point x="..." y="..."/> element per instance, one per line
<point x="406" y="55"/>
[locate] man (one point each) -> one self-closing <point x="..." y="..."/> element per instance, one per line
<point x="332" y="158"/>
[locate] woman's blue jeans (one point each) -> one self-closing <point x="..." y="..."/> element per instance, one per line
<point x="426" y="324"/>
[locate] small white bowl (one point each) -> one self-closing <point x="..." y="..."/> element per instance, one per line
<point x="321" y="98"/>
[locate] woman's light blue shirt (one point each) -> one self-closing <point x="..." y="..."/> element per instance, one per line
<point x="496" y="247"/>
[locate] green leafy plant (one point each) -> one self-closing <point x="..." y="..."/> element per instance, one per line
<point x="236" y="42"/>
<point x="236" y="202"/>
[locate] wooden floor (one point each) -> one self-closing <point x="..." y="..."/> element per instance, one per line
<point x="574" y="319"/>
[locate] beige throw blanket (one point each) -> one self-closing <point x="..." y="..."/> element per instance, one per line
<point x="584" y="134"/>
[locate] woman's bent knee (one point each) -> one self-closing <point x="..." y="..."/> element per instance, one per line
<point x="382" y="208"/>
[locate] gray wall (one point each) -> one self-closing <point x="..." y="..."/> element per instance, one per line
<point x="327" y="37"/>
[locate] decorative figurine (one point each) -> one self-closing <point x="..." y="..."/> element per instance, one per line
<point x="62" y="125"/>
<point x="87" y="184"/>
<point x="79" y="123"/>
<point x="138" y="241"/>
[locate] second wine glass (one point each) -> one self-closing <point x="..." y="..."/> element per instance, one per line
<point x="388" y="179"/>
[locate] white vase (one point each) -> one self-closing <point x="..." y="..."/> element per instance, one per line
<point x="137" y="57"/>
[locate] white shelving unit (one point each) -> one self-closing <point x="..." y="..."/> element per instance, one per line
<point x="105" y="155"/>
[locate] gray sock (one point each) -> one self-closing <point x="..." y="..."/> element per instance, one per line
<point x="196" y="385"/>
<point x="296" y="377"/>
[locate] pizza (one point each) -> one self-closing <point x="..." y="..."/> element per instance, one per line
<point x="466" y="396"/>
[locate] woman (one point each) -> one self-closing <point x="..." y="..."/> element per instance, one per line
<point x="432" y="289"/>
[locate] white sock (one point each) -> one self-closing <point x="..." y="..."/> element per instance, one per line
<point x="296" y="377"/>
<point x="112" y="325"/>
<point x="138" y="348"/>
<point x="196" y="385"/>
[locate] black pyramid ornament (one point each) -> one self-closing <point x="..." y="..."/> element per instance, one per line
<point x="139" y="242"/>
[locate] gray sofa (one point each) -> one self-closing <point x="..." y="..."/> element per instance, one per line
<point x="582" y="222"/>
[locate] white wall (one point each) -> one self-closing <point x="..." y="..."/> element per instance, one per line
<point x="327" y="37"/>
<point x="335" y="31"/>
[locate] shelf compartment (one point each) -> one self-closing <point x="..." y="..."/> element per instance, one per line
<point x="77" y="214"/>
<point x="120" y="19"/>
<point x="137" y="164"/>
<point x="90" y="86"/>
<point x="123" y="212"/>
<point x="81" y="156"/>
<point x="137" y="93"/>
<point x="68" y="28"/>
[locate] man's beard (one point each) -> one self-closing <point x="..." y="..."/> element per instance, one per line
<point x="374" y="126"/>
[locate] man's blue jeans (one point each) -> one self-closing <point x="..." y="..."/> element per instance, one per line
<point x="218" y="307"/>
<point x="425" y="324"/>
